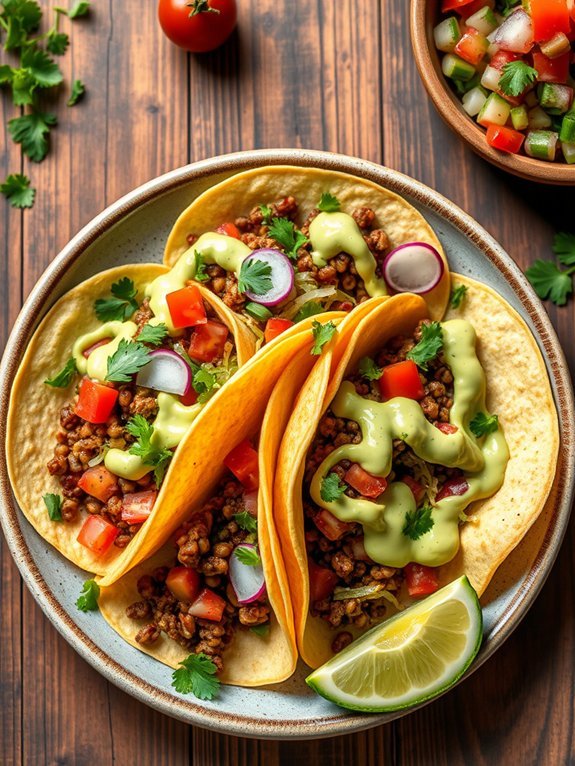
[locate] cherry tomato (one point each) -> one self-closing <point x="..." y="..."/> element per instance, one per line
<point x="95" y="401"/>
<point x="97" y="534"/>
<point x="421" y="580"/>
<point x="183" y="583"/>
<point x="365" y="483"/>
<point x="401" y="379"/>
<point x="243" y="463"/>
<point x="197" y="25"/>
<point x="329" y="525"/>
<point x="208" y="606"/>
<point x="322" y="581"/>
<point x="208" y="341"/>
<point x="99" y="482"/>
<point x="137" y="506"/>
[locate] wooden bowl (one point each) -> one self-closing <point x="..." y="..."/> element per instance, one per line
<point x="425" y="15"/>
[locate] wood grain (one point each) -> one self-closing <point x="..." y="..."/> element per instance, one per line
<point x="313" y="74"/>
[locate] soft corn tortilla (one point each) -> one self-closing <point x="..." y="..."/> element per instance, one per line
<point x="239" y="194"/>
<point x="34" y="412"/>
<point x="518" y="390"/>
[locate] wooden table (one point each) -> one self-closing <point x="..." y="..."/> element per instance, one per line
<point x="298" y="73"/>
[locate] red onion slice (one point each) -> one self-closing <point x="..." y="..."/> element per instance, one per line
<point x="282" y="276"/>
<point x="247" y="581"/>
<point x="166" y="371"/>
<point x="414" y="267"/>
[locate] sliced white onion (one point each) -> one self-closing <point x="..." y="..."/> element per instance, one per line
<point x="166" y="371"/>
<point x="414" y="267"/>
<point x="516" y="33"/>
<point x="282" y="276"/>
<point x="247" y="581"/>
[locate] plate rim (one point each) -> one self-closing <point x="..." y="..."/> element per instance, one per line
<point x="39" y="300"/>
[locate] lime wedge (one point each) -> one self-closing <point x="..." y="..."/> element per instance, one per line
<point x="411" y="657"/>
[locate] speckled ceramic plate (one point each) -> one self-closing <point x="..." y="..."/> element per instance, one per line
<point x="135" y="229"/>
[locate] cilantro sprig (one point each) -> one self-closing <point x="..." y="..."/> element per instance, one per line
<point x="128" y="359"/>
<point x="246" y="521"/>
<point x="332" y="488"/>
<point x="201" y="274"/>
<point x="255" y="276"/>
<point x="248" y="556"/>
<point x="309" y="309"/>
<point x="153" y="334"/>
<point x="457" y="296"/>
<point x="428" y="347"/>
<point x="369" y="370"/>
<point x="62" y="379"/>
<point x="53" y="505"/>
<point x="17" y="190"/>
<point x="121" y="305"/>
<point x="515" y="77"/>
<point x="88" y="599"/>
<point x="328" y="203"/>
<point x="197" y="675"/>
<point x="149" y="453"/>
<point x="548" y="280"/>
<point x="285" y="234"/>
<point x="483" y="424"/>
<point x="322" y="334"/>
<point x="418" y="522"/>
<point x="78" y="90"/>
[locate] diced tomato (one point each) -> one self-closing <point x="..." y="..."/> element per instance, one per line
<point x="208" y="606"/>
<point x="401" y="379"/>
<point x="322" y="581"/>
<point x="97" y="534"/>
<point x="190" y="398"/>
<point x="99" y="482"/>
<point x="549" y="17"/>
<point x="454" y="5"/>
<point x="137" y="506"/>
<point x="504" y="139"/>
<point x="243" y="463"/>
<point x="229" y="229"/>
<point x="447" y="428"/>
<point x="501" y="58"/>
<point x="329" y="525"/>
<point x="417" y="489"/>
<point x="551" y="70"/>
<point x="183" y="583"/>
<point x="95" y="401"/>
<point x="457" y="486"/>
<point x="186" y="307"/>
<point x="472" y="46"/>
<point x="87" y="351"/>
<point x="365" y="483"/>
<point x="421" y="580"/>
<point x="208" y="341"/>
<point x="275" y="327"/>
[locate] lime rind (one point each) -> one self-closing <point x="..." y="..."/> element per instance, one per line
<point x="439" y="636"/>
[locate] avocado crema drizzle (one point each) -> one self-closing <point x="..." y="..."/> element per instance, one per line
<point x="483" y="460"/>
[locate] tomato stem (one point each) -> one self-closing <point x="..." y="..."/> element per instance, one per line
<point x="200" y="6"/>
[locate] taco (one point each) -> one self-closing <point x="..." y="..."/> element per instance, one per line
<point x="277" y="244"/>
<point x="109" y="384"/>
<point x="428" y="453"/>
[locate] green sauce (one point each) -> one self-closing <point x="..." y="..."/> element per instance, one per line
<point x="482" y="460"/>
<point x="96" y="365"/>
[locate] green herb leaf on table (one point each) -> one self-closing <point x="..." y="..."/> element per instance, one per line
<point x="78" y="90"/>
<point x="483" y="424"/>
<point x="457" y="296"/>
<point x="309" y="309"/>
<point x="17" y="190"/>
<point x="418" y="523"/>
<point x="31" y="130"/>
<point x="369" y="370"/>
<point x="153" y="334"/>
<point x="549" y="281"/>
<point x="332" y="488"/>
<point x="197" y="675"/>
<point x="121" y="306"/>
<point x="429" y="346"/>
<point x="19" y="19"/>
<point x="80" y="8"/>
<point x="246" y="521"/>
<point x="285" y="234"/>
<point x="53" y="504"/>
<point x="255" y="276"/>
<point x="564" y="248"/>
<point x="322" y="334"/>
<point x="23" y="87"/>
<point x="57" y="42"/>
<point x="128" y="359"/>
<point x="248" y="556"/>
<point x="200" y="275"/>
<point x="88" y="598"/>
<point x="328" y="203"/>
<point x="62" y="379"/>
<point x="515" y="77"/>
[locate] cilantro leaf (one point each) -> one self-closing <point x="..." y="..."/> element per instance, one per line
<point x="418" y="523"/>
<point x="248" y="556"/>
<point x="80" y="8"/>
<point x="483" y="424"/>
<point x="429" y="346"/>
<point x="209" y="378"/>
<point x="78" y="90"/>
<point x="62" y="379"/>
<point x="322" y="334"/>
<point x="159" y="457"/>
<point x="31" y="130"/>
<point x="88" y="598"/>
<point x="17" y="190"/>
<point x="121" y="306"/>
<point x="23" y="87"/>
<point x="246" y="521"/>
<point x="196" y="676"/>
<point x="19" y="17"/>
<point x="153" y="334"/>
<point x="369" y="369"/>
<point x="328" y="203"/>
<point x="43" y="69"/>
<point x="201" y="274"/>
<point x="285" y="234"/>
<point x="57" y="42"/>
<point x="129" y="358"/>
<point x="332" y="488"/>
<point x="564" y="248"/>
<point x="255" y="276"/>
<point x="267" y="214"/>
<point x="457" y="296"/>
<point x="550" y="282"/>
<point x="54" y="505"/>
<point x="515" y="77"/>
<point x="309" y="309"/>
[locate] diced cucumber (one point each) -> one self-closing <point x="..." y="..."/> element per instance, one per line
<point x="456" y="68"/>
<point x="555" y="98"/>
<point x="568" y="152"/>
<point x="474" y="100"/>
<point x="519" y="117"/>
<point x="567" y="132"/>
<point x="556" y="46"/>
<point x="538" y="119"/>
<point x="541" y="144"/>
<point x="495" y="111"/>
<point x="490" y="78"/>
<point x="447" y="34"/>
<point x="483" y="21"/>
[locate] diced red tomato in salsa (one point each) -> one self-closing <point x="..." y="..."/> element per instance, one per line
<point x="243" y="463"/>
<point x="551" y="70"/>
<point x="186" y="307"/>
<point x="99" y="482"/>
<point x="504" y="139"/>
<point x="472" y="46"/>
<point x="447" y="428"/>
<point x="549" y="17"/>
<point x="322" y="581"/>
<point x="421" y="580"/>
<point x="329" y="525"/>
<point x="95" y="401"/>
<point x="417" y="489"/>
<point x="97" y="534"/>
<point x="208" y="341"/>
<point x="229" y="229"/>
<point x="501" y="58"/>
<point x="208" y="606"/>
<point x="456" y="486"/>
<point x="275" y="327"/>
<point x="454" y="5"/>
<point x="401" y="379"/>
<point x="365" y="483"/>
<point x="183" y="583"/>
<point x="137" y="506"/>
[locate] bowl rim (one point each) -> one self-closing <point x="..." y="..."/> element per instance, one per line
<point x="38" y="301"/>
<point x="451" y="110"/>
